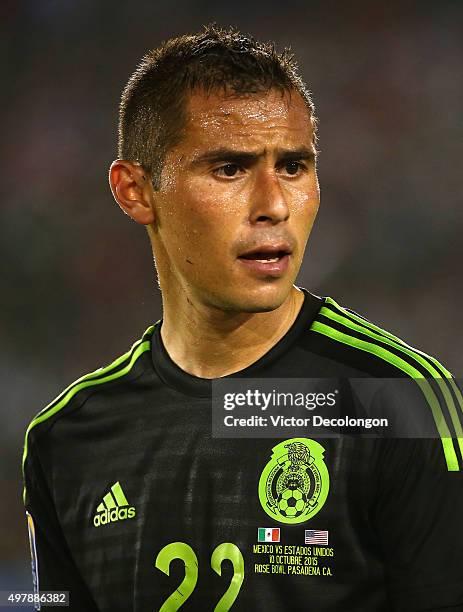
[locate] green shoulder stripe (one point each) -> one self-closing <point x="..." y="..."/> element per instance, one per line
<point x="380" y="330"/>
<point x="390" y="357"/>
<point x="418" y="356"/>
<point x="446" y="374"/>
<point x="98" y="377"/>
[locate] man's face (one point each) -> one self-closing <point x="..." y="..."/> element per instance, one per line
<point x="237" y="200"/>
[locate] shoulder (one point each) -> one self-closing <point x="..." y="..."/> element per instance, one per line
<point x="118" y="372"/>
<point x="351" y="339"/>
<point x="369" y="347"/>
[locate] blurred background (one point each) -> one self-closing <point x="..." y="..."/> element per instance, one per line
<point x="78" y="283"/>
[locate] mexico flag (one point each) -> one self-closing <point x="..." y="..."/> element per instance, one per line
<point x="268" y="534"/>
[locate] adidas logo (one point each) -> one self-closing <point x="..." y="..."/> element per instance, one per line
<point x="114" y="507"/>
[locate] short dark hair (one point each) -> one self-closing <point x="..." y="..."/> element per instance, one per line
<point x="152" y="111"/>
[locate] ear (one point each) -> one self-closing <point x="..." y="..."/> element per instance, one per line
<point x="132" y="190"/>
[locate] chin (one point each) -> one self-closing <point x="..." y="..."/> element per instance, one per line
<point x="263" y="299"/>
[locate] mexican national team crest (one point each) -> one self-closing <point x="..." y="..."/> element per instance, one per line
<point x="295" y="482"/>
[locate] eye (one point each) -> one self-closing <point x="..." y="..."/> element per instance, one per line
<point x="229" y="170"/>
<point x="293" y="167"/>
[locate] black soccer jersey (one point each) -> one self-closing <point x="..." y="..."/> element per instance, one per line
<point x="134" y="504"/>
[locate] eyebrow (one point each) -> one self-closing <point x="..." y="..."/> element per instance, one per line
<point x="247" y="158"/>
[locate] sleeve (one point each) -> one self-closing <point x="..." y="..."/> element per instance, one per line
<point x="418" y="518"/>
<point x="52" y="564"/>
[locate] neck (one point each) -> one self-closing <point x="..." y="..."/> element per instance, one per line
<point x="210" y="343"/>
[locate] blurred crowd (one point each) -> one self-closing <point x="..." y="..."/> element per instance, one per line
<point x="78" y="281"/>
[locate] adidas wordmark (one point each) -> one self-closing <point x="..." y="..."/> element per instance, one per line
<point x="114" y="507"/>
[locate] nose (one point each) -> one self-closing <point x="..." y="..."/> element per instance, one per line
<point x="268" y="202"/>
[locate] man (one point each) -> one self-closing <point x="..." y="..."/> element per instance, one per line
<point x="133" y="503"/>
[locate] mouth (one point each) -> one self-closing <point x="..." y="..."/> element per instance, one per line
<point x="268" y="252"/>
<point x="269" y="260"/>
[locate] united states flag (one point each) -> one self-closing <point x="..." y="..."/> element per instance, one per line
<point x="314" y="536"/>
